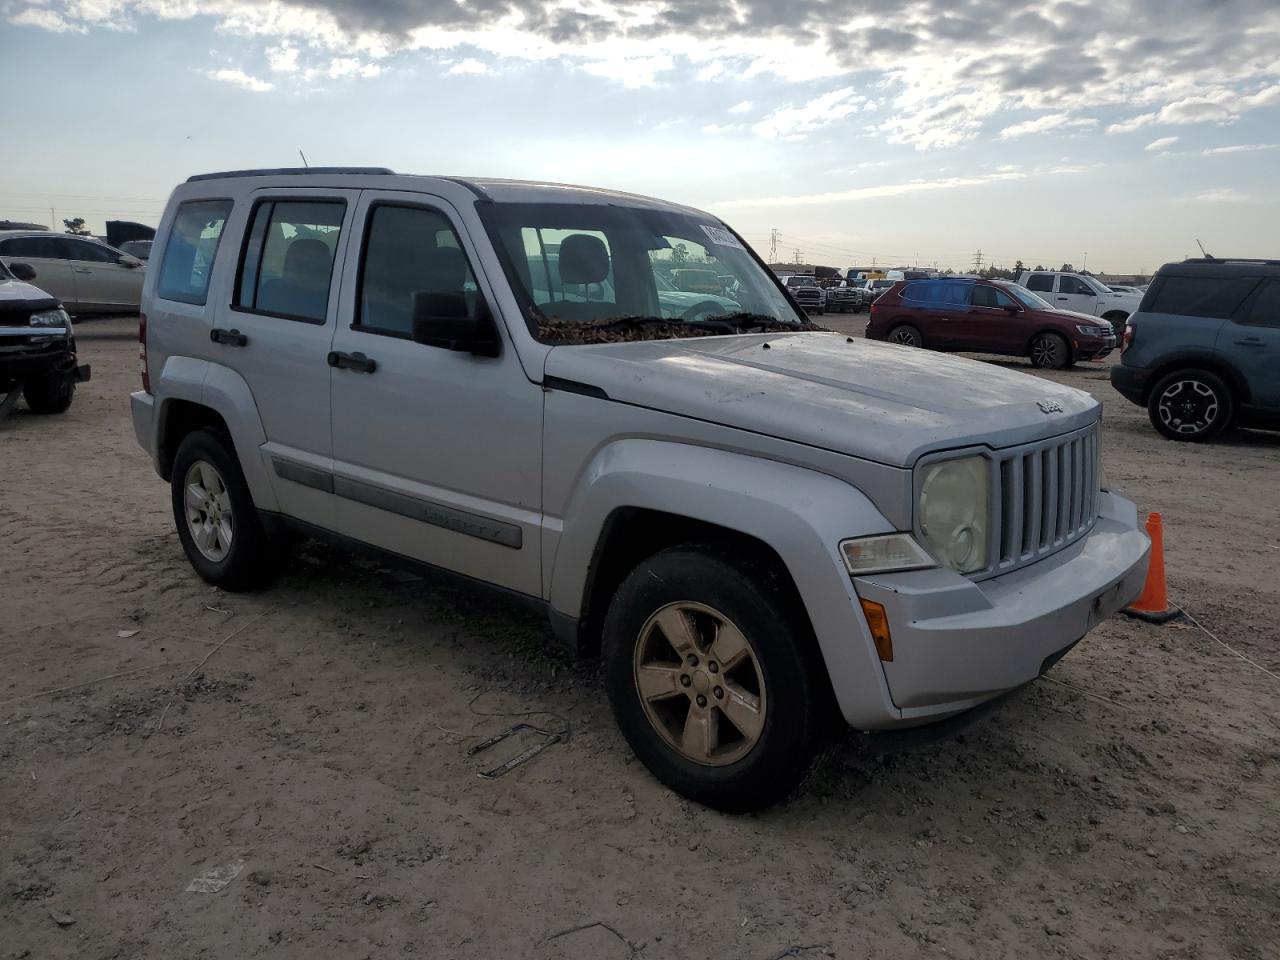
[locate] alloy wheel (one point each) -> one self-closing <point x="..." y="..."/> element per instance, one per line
<point x="905" y="336"/>
<point x="1047" y="352"/>
<point x="700" y="683"/>
<point x="208" y="510"/>
<point x="1188" y="406"/>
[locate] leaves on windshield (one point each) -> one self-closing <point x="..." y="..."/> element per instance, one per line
<point x="628" y="329"/>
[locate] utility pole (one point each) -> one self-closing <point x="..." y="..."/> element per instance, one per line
<point x="796" y="255"/>
<point x="977" y="261"/>
<point x="773" y="245"/>
<point x="1084" y="267"/>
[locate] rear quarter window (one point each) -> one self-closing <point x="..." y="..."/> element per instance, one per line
<point x="191" y="249"/>
<point x="1211" y="297"/>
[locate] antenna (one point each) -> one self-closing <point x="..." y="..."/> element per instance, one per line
<point x="304" y="159"/>
<point x="1206" y="253"/>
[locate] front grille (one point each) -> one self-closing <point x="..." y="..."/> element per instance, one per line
<point x="1046" y="497"/>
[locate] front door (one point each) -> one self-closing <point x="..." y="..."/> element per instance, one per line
<point x="1251" y="343"/>
<point x="437" y="453"/>
<point x="1074" y="294"/>
<point x="101" y="282"/>
<point x="996" y="322"/>
<point x="44" y="254"/>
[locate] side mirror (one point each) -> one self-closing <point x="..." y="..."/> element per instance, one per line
<point x="127" y="261"/>
<point x="23" y="271"/>
<point x="1013" y="309"/>
<point x="440" y="320"/>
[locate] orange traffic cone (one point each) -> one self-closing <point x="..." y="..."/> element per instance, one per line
<point x="1152" y="604"/>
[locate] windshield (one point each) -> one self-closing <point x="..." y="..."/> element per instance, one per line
<point x="1029" y="299"/>
<point x="587" y="273"/>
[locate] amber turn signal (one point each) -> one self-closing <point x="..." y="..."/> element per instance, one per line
<point x="878" y="621"/>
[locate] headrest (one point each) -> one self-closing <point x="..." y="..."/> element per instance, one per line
<point x="308" y="257"/>
<point x="583" y="259"/>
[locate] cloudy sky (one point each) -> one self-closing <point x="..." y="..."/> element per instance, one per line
<point x="905" y="130"/>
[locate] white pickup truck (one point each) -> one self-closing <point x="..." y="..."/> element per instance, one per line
<point x="1083" y="294"/>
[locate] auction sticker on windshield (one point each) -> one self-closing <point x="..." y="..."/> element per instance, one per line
<point x="721" y="236"/>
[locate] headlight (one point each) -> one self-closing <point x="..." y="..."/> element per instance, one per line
<point x="885" y="553"/>
<point x="50" y="318"/>
<point x="1091" y="331"/>
<point x="954" y="515"/>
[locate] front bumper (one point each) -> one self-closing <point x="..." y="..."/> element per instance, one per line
<point x="957" y="643"/>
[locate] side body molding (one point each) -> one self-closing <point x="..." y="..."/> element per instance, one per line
<point x="801" y="514"/>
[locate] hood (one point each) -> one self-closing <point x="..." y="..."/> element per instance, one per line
<point x="1089" y="318"/>
<point x="872" y="400"/>
<point x="19" y="297"/>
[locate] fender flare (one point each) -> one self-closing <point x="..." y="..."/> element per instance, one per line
<point x="225" y="392"/>
<point x="800" y="513"/>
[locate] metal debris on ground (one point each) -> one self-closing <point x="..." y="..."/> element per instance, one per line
<point x="548" y="739"/>
<point x="211" y="881"/>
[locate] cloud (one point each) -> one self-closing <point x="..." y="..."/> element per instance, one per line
<point x="898" y="189"/>
<point x="240" y="79"/>
<point x="1158" y="146"/>
<point x="341" y="67"/>
<point x="743" y="107"/>
<point x="1238" y="148"/>
<point x="469" y="66"/>
<point x="1050" y="121"/>
<point x="941" y="71"/>
<point x="282" y="59"/>
<point x="793" y="122"/>
<point x="1221" y="195"/>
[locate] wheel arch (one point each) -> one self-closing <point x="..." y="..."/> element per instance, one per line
<point x="640" y="496"/>
<point x="1196" y="361"/>
<point x="1071" y="351"/>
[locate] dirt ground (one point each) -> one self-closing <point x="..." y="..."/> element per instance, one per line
<point x="153" y="730"/>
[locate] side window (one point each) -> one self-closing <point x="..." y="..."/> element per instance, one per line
<point x="408" y="251"/>
<point x="189" y="251"/>
<point x="1214" y="297"/>
<point x="1040" y="282"/>
<point x="1074" y="285"/>
<point x="288" y="256"/>
<point x="40" y="248"/>
<point x="1265" y="311"/>
<point x="984" y="296"/>
<point x="86" y="252"/>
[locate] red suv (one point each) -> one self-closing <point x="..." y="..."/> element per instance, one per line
<point x="987" y="316"/>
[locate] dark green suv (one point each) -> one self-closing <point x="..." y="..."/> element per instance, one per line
<point x="1203" y="351"/>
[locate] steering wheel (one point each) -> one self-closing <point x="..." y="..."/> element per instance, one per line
<point x="702" y="311"/>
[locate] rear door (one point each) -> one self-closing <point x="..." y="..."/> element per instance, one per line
<point x="943" y="311"/>
<point x="53" y="270"/>
<point x="101" y="282"/>
<point x="277" y="330"/>
<point x="1250" y="341"/>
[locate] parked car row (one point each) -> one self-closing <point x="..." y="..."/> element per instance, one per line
<point x="84" y="274"/>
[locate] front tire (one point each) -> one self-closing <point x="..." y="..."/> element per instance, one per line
<point x="1191" y="405"/>
<point x="906" y="335"/>
<point x="710" y="682"/>
<point x="51" y="392"/>
<point x="217" y="522"/>
<point x="1051" y="351"/>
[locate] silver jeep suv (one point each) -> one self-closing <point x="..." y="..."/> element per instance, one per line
<point x="760" y="526"/>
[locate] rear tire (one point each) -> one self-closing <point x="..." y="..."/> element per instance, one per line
<point x="50" y="392"/>
<point x="906" y="335"/>
<point x="730" y="714"/>
<point x="1191" y="405"/>
<point x="1051" y="351"/>
<point x="217" y="521"/>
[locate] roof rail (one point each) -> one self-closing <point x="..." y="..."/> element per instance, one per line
<point x="1264" y="261"/>
<point x="289" y="171"/>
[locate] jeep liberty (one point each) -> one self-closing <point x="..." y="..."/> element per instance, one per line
<point x="762" y="527"/>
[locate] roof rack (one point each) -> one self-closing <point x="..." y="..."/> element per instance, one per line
<point x="289" y="171"/>
<point x="1266" y="262"/>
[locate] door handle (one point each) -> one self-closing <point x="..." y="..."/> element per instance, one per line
<point x="1250" y="342"/>
<point x="1062" y="298"/>
<point x="83" y="270"/>
<point x="352" y="361"/>
<point x="232" y="338"/>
